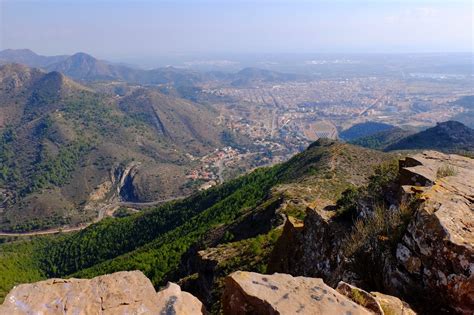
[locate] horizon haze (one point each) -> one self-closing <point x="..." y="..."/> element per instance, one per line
<point x="143" y="32"/>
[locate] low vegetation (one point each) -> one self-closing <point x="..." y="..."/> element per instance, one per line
<point x="445" y="171"/>
<point x="19" y="264"/>
<point x="156" y="240"/>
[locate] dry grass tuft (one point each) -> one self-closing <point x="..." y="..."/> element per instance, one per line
<point x="446" y="170"/>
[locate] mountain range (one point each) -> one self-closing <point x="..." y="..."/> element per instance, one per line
<point x="84" y="67"/>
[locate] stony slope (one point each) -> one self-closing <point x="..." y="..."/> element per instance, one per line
<point x="245" y="293"/>
<point x="412" y="238"/>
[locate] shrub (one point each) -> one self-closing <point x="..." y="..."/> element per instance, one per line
<point x="381" y="225"/>
<point x="446" y="170"/>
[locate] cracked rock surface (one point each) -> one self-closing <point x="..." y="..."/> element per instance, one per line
<point x="437" y="252"/>
<point x="253" y="293"/>
<point x="126" y="292"/>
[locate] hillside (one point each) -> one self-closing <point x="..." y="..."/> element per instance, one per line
<point x="68" y="150"/>
<point x="352" y="217"/>
<point x="382" y="139"/>
<point x="449" y="136"/>
<point x="242" y="212"/>
<point x="255" y="76"/>
<point x="364" y="130"/>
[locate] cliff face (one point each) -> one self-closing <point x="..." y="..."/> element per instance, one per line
<point x="430" y="262"/>
<point x="118" y="293"/>
<point x="437" y="251"/>
<point x="312" y="248"/>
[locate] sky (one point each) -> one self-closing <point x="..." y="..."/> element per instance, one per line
<point x="120" y="29"/>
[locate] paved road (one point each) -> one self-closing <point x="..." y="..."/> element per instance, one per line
<point x="104" y="211"/>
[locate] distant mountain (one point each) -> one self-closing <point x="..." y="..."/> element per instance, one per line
<point x="363" y="130"/>
<point x="82" y="66"/>
<point x="449" y="136"/>
<point x="28" y="57"/>
<point x="382" y="139"/>
<point x="253" y="76"/>
<point x="65" y="148"/>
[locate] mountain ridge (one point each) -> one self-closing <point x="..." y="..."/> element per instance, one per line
<point x="67" y="145"/>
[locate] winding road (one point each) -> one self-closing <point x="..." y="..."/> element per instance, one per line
<point x="106" y="210"/>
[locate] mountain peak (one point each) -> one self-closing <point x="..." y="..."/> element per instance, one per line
<point x="445" y="136"/>
<point x="83" y="56"/>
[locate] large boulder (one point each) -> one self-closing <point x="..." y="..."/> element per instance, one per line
<point x="253" y="293"/>
<point x="436" y="254"/>
<point x="126" y="292"/>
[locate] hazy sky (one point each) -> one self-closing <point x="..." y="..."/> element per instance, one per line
<point x="119" y="28"/>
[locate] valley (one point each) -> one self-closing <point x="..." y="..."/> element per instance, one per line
<point x="117" y="137"/>
<point x="262" y="157"/>
<point x="199" y="178"/>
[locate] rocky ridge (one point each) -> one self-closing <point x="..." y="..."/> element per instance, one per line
<point x="436" y="254"/>
<point x="430" y="263"/>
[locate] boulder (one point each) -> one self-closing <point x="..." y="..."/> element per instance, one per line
<point x="376" y="302"/>
<point x="360" y="297"/>
<point x="253" y="293"/>
<point x="126" y="292"/>
<point x="392" y="305"/>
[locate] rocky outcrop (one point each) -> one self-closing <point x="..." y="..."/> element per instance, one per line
<point x="436" y="254"/>
<point x="431" y="261"/>
<point x="118" y="293"/>
<point x="311" y="249"/>
<point x="253" y="293"/>
<point x="214" y="257"/>
<point x="286" y="255"/>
